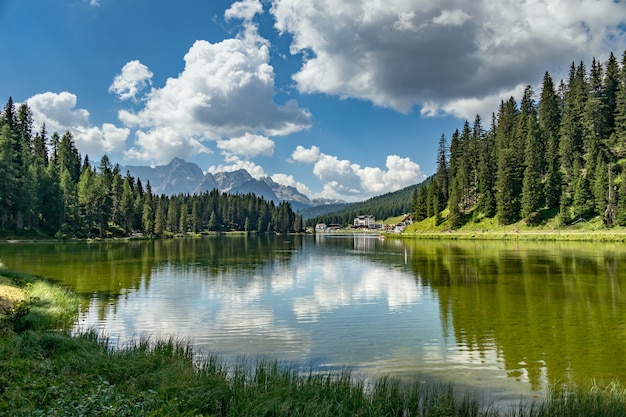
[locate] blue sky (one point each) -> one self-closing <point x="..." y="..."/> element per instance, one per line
<point x="343" y="99"/>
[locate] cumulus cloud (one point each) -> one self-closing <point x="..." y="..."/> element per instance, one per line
<point x="58" y="111"/>
<point x="306" y="156"/>
<point x="161" y="144"/>
<point x="346" y="180"/>
<point x="134" y="77"/>
<point x="234" y="163"/>
<point x="405" y="53"/>
<point x="289" y="180"/>
<point x="247" y="145"/>
<point x="226" y="90"/>
<point x="245" y="10"/>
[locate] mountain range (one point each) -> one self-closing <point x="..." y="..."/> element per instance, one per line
<point x="182" y="177"/>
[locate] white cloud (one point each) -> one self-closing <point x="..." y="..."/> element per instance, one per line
<point x="161" y="144"/>
<point x="306" y="156"/>
<point x="225" y="90"/>
<point x="245" y="10"/>
<point x="456" y="52"/>
<point x="95" y="140"/>
<point x="247" y="145"/>
<point x="59" y="113"/>
<point x="134" y="77"/>
<point x="468" y="108"/>
<point x="234" y="163"/>
<point x="349" y="181"/>
<point x="289" y="180"/>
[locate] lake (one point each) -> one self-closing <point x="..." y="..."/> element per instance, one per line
<point x="504" y="318"/>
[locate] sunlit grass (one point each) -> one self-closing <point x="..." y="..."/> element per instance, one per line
<point x="44" y="305"/>
<point x="490" y="229"/>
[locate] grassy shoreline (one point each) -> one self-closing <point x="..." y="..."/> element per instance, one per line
<point x="48" y="371"/>
<point x="581" y="230"/>
<point x="570" y="236"/>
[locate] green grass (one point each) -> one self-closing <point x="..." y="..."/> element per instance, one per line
<point x="49" y="372"/>
<point x="548" y="229"/>
<point x="46" y="305"/>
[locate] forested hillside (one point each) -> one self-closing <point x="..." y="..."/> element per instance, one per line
<point x="47" y="188"/>
<point x="382" y="207"/>
<point x="557" y="155"/>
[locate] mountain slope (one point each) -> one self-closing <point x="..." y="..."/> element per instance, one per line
<point x="383" y="206"/>
<point x="180" y="177"/>
<point x="176" y="177"/>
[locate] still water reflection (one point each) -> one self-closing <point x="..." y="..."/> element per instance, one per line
<point x="505" y="317"/>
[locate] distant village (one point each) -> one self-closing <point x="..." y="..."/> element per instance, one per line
<point x="366" y="222"/>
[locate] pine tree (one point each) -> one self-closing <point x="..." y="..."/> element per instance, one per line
<point x="549" y="122"/>
<point x="104" y="195"/>
<point x="455" y="218"/>
<point x="420" y="212"/>
<point x="464" y="169"/>
<point x="595" y="130"/>
<point x="455" y="155"/>
<point x="487" y="172"/>
<point x="618" y="138"/>
<point x="600" y="187"/>
<point x="68" y="157"/>
<point x="442" y="175"/>
<point x="609" y="92"/>
<point x="583" y="197"/>
<point x="571" y="132"/>
<point x="195" y="215"/>
<point x="26" y="201"/>
<point x="8" y="175"/>
<point x="87" y="199"/>
<point x="509" y="177"/>
<point x="213" y="225"/>
<point x="147" y="214"/>
<point x="126" y="206"/>
<point x="159" y="216"/>
<point x="532" y="188"/>
<point x="620" y="215"/>
<point x="182" y="223"/>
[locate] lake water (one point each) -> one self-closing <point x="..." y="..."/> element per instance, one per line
<point x="504" y="318"/>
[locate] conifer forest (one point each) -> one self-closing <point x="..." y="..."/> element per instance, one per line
<point x="48" y="189"/>
<point x="558" y="154"/>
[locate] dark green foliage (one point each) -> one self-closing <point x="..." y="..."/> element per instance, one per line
<point x="565" y="153"/>
<point x="600" y="187"/>
<point x="420" y="209"/>
<point x="509" y="174"/>
<point x="583" y="204"/>
<point x="443" y="171"/>
<point x="383" y="206"/>
<point x="621" y="205"/>
<point x="63" y="195"/>
<point x="487" y="173"/>
<point x="549" y="122"/>
<point x="455" y="217"/>
<point x="532" y="186"/>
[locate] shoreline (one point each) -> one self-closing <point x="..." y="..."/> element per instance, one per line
<point x="543" y="235"/>
<point x="461" y="234"/>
